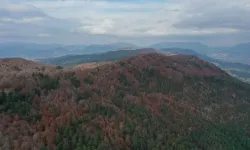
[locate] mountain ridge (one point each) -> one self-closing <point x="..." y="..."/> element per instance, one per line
<point x="238" y="69"/>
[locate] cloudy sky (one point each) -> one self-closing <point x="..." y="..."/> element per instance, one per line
<point x="215" y="22"/>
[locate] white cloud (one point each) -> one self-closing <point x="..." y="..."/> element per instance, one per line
<point x="132" y="19"/>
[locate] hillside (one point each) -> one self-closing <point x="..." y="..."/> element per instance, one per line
<point x="14" y="72"/>
<point x="91" y="65"/>
<point x="148" y="101"/>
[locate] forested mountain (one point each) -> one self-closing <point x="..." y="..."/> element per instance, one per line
<point x="144" y="102"/>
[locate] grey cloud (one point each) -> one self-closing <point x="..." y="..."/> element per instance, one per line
<point x="213" y="16"/>
<point x="186" y="15"/>
<point x="30" y="22"/>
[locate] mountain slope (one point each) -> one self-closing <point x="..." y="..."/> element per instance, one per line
<point x="148" y="101"/>
<point x="15" y="72"/>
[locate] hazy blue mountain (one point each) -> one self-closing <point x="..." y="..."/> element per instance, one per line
<point x="31" y="51"/>
<point x="239" y="53"/>
<point x="26" y="50"/>
<point x="97" y="48"/>
<point x="196" y="46"/>
<point x="240" y="50"/>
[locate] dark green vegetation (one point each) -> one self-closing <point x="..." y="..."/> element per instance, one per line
<point x="46" y="82"/>
<point x="226" y="137"/>
<point x="18" y="103"/>
<point x="145" y="102"/>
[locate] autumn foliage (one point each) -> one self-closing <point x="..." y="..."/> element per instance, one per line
<point x="149" y="101"/>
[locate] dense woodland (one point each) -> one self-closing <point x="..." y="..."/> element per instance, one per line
<point x="145" y="102"/>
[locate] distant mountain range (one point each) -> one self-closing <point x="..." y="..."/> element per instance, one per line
<point x="32" y="51"/>
<point x="239" y="53"/>
<point x="97" y="48"/>
<point x="196" y="46"/>
<point x="240" y="49"/>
